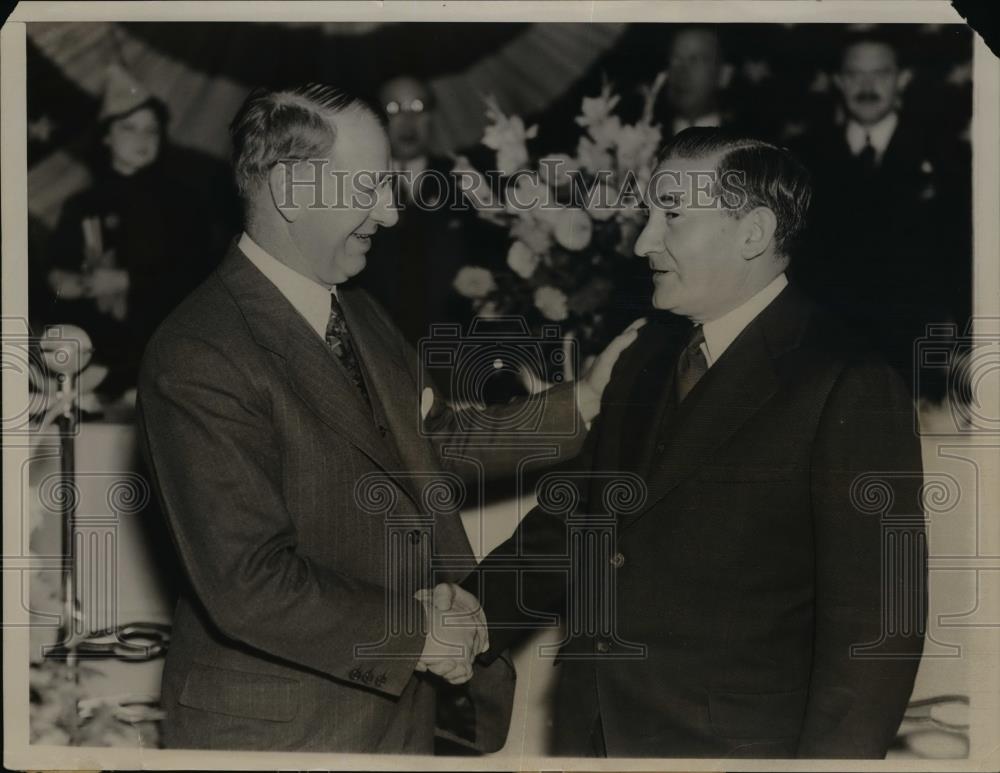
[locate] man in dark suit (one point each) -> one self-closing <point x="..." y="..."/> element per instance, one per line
<point x="698" y="75"/>
<point x="280" y="414"/>
<point x="758" y="470"/>
<point x="414" y="264"/>
<point x="890" y="242"/>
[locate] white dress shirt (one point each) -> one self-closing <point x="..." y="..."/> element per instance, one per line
<point x="721" y="332"/>
<point x="310" y="298"/>
<point x="711" y="120"/>
<point x="879" y="133"/>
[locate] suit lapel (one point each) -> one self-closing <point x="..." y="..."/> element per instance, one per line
<point x="735" y="388"/>
<point x="633" y="393"/>
<point x="312" y="369"/>
<point x="392" y="393"/>
<point x="394" y="399"/>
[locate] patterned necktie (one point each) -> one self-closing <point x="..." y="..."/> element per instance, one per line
<point x="339" y="340"/>
<point x="691" y="365"/>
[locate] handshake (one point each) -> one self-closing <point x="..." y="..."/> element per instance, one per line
<point x="456" y="634"/>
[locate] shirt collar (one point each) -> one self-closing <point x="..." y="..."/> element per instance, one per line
<point x="310" y="299"/>
<point x="880" y="134"/>
<point x="709" y="120"/>
<point x="721" y="332"/>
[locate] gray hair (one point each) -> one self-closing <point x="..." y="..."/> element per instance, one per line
<point x="286" y="125"/>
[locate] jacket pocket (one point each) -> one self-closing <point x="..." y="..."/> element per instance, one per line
<point x="240" y="693"/>
<point x="757" y="714"/>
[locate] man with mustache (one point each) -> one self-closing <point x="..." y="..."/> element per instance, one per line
<point x="890" y="249"/>
<point x="749" y="597"/>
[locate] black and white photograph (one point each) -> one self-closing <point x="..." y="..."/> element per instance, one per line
<point x="504" y="386"/>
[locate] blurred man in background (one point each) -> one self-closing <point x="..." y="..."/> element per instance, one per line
<point x="698" y="73"/>
<point x="413" y="265"/>
<point x="890" y="250"/>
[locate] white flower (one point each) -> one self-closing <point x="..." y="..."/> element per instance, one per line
<point x="592" y="157"/>
<point x="601" y="202"/>
<point x="552" y="302"/>
<point x="595" y="110"/>
<point x="530" y="194"/>
<point x="637" y="146"/>
<point x="474" y="282"/>
<point x="573" y="228"/>
<point x="522" y="260"/>
<point x="488" y="310"/>
<point x="510" y="158"/>
<point x="605" y="133"/>
<point x="508" y="137"/>
<point x="559" y="167"/>
<point x="533" y="232"/>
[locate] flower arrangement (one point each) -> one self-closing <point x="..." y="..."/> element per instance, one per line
<point x="572" y="220"/>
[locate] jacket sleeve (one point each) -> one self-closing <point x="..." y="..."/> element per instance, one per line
<point x="208" y="440"/>
<point x="502" y="449"/>
<point x="517" y="579"/>
<point x="870" y="570"/>
<point x="550" y="418"/>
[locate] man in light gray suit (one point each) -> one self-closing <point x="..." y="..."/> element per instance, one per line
<point x="265" y="401"/>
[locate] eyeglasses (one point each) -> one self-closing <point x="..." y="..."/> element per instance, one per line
<point x="413" y="106"/>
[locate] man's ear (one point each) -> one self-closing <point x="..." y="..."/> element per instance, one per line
<point x="279" y="183"/>
<point x="838" y="81"/>
<point x="903" y="79"/>
<point x="759" y="226"/>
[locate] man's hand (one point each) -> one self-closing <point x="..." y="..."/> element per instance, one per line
<point x="458" y="632"/>
<point x="592" y="383"/>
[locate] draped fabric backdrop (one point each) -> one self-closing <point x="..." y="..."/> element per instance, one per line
<point x="203" y="72"/>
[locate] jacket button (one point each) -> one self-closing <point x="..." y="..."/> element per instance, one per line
<point x="618" y="560"/>
<point x="603" y="646"/>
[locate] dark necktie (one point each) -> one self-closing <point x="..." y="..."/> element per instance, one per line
<point x="867" y="155"/>
<point x="691" y="365"/>
<point x="338" y="338"/>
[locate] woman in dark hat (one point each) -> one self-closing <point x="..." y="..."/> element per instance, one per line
<point x="126" y="248"/>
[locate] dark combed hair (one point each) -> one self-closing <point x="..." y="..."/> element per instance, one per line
<point x="768" y="175"/>
<point x="286" y="124"/>
<point x="879" y="36"/>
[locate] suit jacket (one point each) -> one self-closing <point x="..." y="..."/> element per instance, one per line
<point x="305" y="521"/>
<point x="890" y="250"/>
<point x="754" y="561"/>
